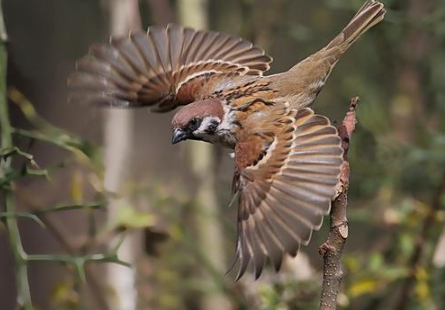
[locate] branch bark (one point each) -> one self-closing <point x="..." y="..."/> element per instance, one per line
<point x="332" y="249"/>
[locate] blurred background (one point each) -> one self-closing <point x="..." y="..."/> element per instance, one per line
<point x="167" y="205"/>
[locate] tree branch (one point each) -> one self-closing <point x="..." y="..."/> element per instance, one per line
<point x="19" y="255"/>
<point x="332" y="249"/>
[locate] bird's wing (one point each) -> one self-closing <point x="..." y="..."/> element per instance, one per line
<point x="163" y="68"/>
<point x="286" y="179"/>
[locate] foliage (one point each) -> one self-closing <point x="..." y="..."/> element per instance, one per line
<point x="396" y="207"/>
<point x="83" y="152"/>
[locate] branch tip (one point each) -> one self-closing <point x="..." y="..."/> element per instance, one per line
<point x="332" y="249"/>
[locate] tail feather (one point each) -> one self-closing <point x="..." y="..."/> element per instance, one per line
<point x="370" y="14"/>
<point x="307" y="78"/>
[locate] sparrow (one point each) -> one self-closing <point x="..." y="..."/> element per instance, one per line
<point x="287" y="158"/>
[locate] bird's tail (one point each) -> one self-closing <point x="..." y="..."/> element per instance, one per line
<point x="370" y="14"/>
<point x="309" y="75"/>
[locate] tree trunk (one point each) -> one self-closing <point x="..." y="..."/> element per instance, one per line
<point x="201" y="156"/>
<point x="118" y="132"/>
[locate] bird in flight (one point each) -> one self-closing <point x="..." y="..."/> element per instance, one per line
<point x="287" y="158"/>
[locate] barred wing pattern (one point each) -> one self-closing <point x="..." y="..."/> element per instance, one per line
<point x="162" y="68"/>
<point x="286" y="191"/>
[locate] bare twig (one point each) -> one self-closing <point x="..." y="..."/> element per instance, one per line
<point x="332" y="249"/>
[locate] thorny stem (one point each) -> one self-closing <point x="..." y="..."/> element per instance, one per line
<point x="332" y="249"/>
<point x="94" y="285"/>
<point x="19" y="255"/>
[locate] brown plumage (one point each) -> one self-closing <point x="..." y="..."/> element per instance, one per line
<point x="287" y="159"/>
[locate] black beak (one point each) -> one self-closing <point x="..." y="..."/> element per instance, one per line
<point x="178" y="136"/>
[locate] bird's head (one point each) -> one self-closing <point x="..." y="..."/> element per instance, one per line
<point x="198" y="121"/>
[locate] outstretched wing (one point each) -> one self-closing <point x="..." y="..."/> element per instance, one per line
<point x="286" y="181"/>
<point x="162" y="68"/>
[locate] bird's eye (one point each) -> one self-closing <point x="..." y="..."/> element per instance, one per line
<point x="194" y="124"/>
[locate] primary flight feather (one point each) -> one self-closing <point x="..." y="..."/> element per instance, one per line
<point x="287" y="158"/>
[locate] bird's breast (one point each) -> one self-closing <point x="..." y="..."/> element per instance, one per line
<point x="225" y="138"/>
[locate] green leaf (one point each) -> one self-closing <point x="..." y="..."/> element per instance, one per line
<point x="362" y="287"/>
<point x="129" y="218"/>
<point x="376" y="262"/>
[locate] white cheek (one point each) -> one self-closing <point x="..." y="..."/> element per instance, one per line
<point x="227" y="121"/>
<point x="206" y="123"/>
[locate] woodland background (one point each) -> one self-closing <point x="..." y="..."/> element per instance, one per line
<point x="170" y="202"/>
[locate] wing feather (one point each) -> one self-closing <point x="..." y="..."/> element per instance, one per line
<point x="286" y="182"/>
<point x="163" y="68"/>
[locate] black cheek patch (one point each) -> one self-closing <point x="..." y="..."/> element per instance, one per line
<point x="212" y="127"/>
